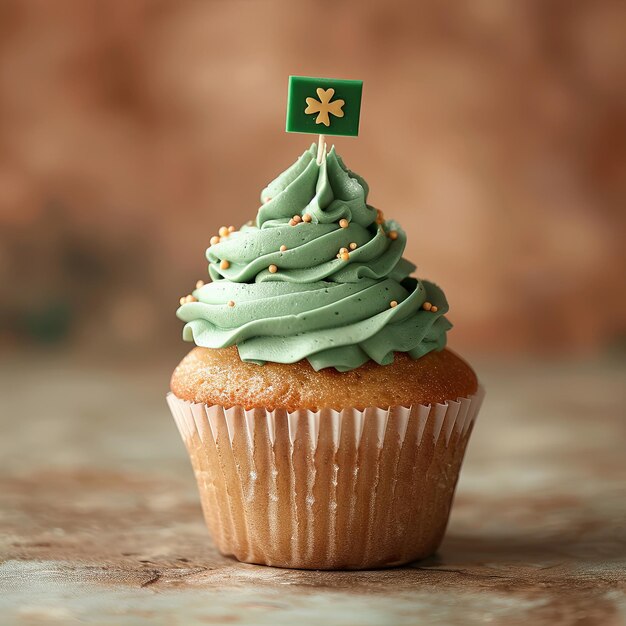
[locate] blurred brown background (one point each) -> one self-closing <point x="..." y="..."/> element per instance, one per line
<point x="495" y="131"/>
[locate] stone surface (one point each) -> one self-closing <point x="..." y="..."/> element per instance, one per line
<point x="100" y="521"/>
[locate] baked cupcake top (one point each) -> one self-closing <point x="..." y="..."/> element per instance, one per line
<point x="319" y="276"/>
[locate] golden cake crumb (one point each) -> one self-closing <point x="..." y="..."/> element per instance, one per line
<point x="218" y="376"/>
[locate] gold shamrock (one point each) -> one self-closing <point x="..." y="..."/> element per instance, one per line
<point x="324" y="106"/>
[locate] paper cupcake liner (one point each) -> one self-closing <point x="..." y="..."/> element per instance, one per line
<point x="327" y="489"/>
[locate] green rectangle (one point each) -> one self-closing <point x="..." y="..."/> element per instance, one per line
<point x="343" y="119"/>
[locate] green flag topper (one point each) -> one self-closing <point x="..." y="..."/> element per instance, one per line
<point x="324" y="105"/>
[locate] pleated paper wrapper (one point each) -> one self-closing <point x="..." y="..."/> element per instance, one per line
<point x="350" y="489"/>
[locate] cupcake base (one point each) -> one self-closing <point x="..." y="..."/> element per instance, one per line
<point x="328" y="489"/>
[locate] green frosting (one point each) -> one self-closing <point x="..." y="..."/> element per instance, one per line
<point x="333" y="312"/>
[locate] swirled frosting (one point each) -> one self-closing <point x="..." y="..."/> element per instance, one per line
<point x="336" y="311"/>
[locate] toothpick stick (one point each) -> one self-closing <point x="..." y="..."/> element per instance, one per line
<point x="321" y="149"/>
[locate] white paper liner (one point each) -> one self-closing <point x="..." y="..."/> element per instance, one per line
<point x="327" y="489"/>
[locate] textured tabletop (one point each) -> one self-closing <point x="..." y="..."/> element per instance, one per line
<point x="100" y="521"/>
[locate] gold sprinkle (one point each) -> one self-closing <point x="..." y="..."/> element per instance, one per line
<point x="393" y="304"/>
<point x="345" y="256"/>
<point x="223" y="231"/>
<point x="434" y="309"/>
<point x="307" y="217"/>
<point x="224" y="264"/>
<point x="182" y="300"/>
<point x="272" y="269"/>
<point x="380" y="218"/>
<point x="292" y="222"/>
<point x="190" y="299"/>
<point x="344" y="223"/>
<point x="393" y="234"/>
<point x="427" y="306"/>
<point x="199" y="284"/>
<point x="353" y="246"/>
<point x="342" y="250"/>
<point x="231" y="229"/>
<point x="231" y="303"/>
<point x="215" y="239"/>
<point x="283" y="248"/>
<point x="297" y="219"/>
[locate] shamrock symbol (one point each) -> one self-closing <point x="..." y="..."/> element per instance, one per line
<point x="324" y="106"/>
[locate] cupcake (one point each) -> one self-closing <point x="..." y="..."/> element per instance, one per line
<point x="325" y="419"/>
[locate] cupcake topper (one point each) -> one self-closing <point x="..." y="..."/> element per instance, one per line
<point x="327" y="106"/>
